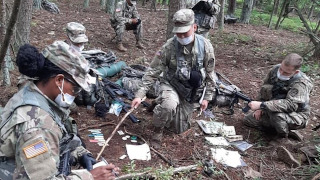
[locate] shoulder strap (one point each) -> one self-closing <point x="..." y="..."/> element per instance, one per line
<point x="199" y="43"/>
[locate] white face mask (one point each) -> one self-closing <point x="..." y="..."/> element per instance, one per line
<point x="186" y="40"/>
<point x="64" y="99"/>
<point x="282" y="77"/>
<point x="77" y="48"/>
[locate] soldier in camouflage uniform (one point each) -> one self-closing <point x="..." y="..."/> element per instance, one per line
<point x="126" y="17"/>
<point x="76" y="33"/>
<point x="205" y="14"/>
<point x="186" y="63"/>
<point x="284" y="99"/>
<point x="32" y="135"/>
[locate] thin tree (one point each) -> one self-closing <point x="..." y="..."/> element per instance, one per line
<point x="231" y="8"/>
<point x="153" y="5"/>
<point x="174" y="6"/>
<point x="310" y="14"/>
<point x="284" y="5"/>
<point x="313" y="37"/>
<point x="221" y="16"/>
<point x="110" y="5"/>
<point x="86" y="4"/>
<point x="9" y="31"/>
<point x="37" y="4"/>
<point x="103" y="3"/>
<point x="22" y="33"/>
<point x="246" y="11"/>
<point x="272" y="13"/>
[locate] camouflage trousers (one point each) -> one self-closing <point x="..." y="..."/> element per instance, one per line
<point x="281" y="123"/>
<point x="171" y="111"/>
<point x="120" y="27"/>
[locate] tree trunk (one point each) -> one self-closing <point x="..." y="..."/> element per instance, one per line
<point x="221" y="15"/>
<point x="153" y="5"/>
<point x="37" y="4"/>
<point x="316" y="53"/>
<point x="110" y="6"/>
<point x="6" y="67"/>
<point x="276" y="7"/>
<point x="246" y="11"/>
<point x="231" y="7"/>
<point x="9" y="30"/>
<point x="273" y="12"/>
<point x="103" y="4"/>
<point x="22" y="33"/>
<point x="2" y="19"/>
<point x="316" y="30"/>
<point x="310" y="14"/>
<point x="174" y="6"/>
<point x="86" y="4"/>
<point x="281" y="13"/>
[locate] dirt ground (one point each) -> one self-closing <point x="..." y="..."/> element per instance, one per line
<point x="244" y="53"/>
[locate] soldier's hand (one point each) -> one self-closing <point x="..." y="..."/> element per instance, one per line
<point x="257" y="114"/>
<point x="104" y="172"/>
<point x="136" y="102"/>
<point x="204" y="105"/>
<point x="254" y="105"/>
<point x="134" y="21"/>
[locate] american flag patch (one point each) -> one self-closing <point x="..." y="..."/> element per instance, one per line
<point x="35" y="149"/>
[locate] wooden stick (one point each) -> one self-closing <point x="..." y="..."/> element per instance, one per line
<point x="98" y="125"/>
<point x="115" y="129"/>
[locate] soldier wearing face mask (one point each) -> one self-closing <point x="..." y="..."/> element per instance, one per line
<point x="126" y="17"/>
<point x="33" y="135"/>
<point x="185" y="66"/>
<point x="77" y="37"/>
<point x="284" y="99"/>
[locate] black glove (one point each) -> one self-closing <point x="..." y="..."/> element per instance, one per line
<point x="87" y="161"/>
<point x="139" y="21"/>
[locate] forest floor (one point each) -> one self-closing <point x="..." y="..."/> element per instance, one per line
<point x="244" y="54"/>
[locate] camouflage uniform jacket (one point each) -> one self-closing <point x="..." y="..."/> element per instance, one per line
<point x="124" y="13"/>
<point x="297" y="97"/>
<point x="165" y="62"/>
<point x="31" y="136"/>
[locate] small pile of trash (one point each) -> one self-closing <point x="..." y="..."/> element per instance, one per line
<point x="224" y="136"/>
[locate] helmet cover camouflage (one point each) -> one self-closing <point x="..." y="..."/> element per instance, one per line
<point x="183" y="20"/>
<point x="71" y="62"/>
<point x="76" y="32"/>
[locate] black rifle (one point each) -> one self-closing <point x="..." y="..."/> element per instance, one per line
<point x="121" y="91"/>
<point x="236" y="95"/>
<point x="64" y="165"/>
<point x="125" y="107"/>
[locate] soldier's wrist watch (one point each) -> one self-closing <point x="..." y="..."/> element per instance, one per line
<point x="263" y="105"/>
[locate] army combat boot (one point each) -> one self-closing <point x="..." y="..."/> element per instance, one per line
<point x="157" y="138"/>
<point x="121" y="48"/>
<point x="139" y="45"/>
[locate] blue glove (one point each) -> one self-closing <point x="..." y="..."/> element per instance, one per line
<point x="87" y="161"/>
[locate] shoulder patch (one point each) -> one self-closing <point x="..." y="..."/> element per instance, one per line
<point x="293" y="92"/>
<point x="35" y="149"/>
<point x="118" y="10"/>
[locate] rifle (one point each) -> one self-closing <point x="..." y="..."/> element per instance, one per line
<point x="228" y="89"/>
<point x="121" y="91"/>
<point x="64" y="165"/>
<point x="125" y="107"/>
